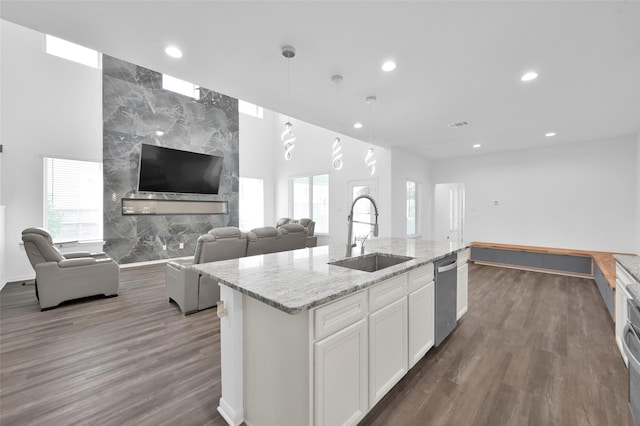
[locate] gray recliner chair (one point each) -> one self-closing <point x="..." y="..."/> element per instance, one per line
<point x="61" y="277"/>
<point x="191" y="291"/>
<point x="309" y="225"/>
<point x="294" y="236"/>
<point x="264" y="240"/>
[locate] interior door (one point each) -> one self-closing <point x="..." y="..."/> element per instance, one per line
<point x="449" y="212"/>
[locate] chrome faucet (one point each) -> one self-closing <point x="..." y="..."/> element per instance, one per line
<point x="350" y="245"/>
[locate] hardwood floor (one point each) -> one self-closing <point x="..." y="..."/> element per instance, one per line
<point x="533" y="349"/>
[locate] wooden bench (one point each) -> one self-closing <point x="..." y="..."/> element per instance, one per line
<point x="597" y="265"/>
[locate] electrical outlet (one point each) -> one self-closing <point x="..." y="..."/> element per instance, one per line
<point x="164" y="247"/>
<point x="181" y="245"/>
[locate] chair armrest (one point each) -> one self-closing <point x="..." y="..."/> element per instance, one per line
<point x="180" y="264"/>
<point x="81" y="261"/>
<point x="76" y="254"/>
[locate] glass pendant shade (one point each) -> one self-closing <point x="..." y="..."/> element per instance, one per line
<point x="337" y="154"/>
<point x="287" y="140"/>
<point x="371" y="162"/>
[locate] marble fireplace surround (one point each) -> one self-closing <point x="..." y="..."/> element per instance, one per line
<point x="135" y="108"/>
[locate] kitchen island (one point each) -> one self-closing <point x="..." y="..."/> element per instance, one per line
<point x="307" y="342"/>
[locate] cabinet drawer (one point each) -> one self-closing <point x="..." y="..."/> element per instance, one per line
<point x="420" y="277"/>
<point x="337" y="315"/>
<point x="463" y="256"/>
<point x="387" y="292"/>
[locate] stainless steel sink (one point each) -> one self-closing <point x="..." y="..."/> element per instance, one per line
<point x="371" y="262"/>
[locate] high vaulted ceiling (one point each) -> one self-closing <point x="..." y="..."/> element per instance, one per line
<point x="456" y="61"/>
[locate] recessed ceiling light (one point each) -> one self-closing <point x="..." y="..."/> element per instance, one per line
<point x="159" y="133"/>
<point x="389" y="66"/>
<point x="550" y="134"/>
<point x="477" y="145"/>
<point x="173" y="51"/>
<point x="358" y="125"/>
<point x="531" y="75"/>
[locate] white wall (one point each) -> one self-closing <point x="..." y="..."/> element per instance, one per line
<point x="256" y="154"/>
<point x="638" y="195"/>
<point x="407" y="166"/>
<point x="312" y="155"/>
<point x="50" y="106"/>
<point x="580" y="196"/>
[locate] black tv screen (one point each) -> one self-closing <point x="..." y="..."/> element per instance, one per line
<point x="172" y="170"/>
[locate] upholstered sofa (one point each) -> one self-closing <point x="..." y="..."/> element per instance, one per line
<point x="193" y="292"/>
<point x="308" y="224"/>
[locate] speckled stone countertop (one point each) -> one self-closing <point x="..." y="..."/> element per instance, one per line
<point x="632" y="265"/>
<point x="298" y="280"/>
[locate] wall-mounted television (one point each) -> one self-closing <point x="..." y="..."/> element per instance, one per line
<point x="172" y="170"/>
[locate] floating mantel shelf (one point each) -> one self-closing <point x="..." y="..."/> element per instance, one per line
<point x="145" y="206"/>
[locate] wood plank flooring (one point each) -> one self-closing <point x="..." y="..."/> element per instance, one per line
<point x="534" y="349"/>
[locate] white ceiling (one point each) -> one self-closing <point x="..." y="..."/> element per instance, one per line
<point x="456" y="61"/>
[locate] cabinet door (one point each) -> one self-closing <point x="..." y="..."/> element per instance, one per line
<point x="340" y="376"/>
<point x="421" y="322"/>
<point x="462" y="290"/>
<point x="388" y="348"/>
<point x="621" y="316"/>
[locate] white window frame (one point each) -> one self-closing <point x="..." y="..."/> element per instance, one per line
<point x="360" y="230"/>
<point x="182" y="87"/>
<point x="250" y="109"/>
<point x="418" y="227"/>
<point x="45" y="196"/>
<point x="311" y="214"/>
<point x="65" y="49"/>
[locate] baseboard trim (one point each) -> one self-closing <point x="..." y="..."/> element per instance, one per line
<point x="532" y="269"/>
<point x="151" y="262"/>
<point x="18" y="279"/>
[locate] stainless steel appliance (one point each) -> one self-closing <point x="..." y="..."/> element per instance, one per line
<point x="446" y="296"/>
<point x="631" y="343"/>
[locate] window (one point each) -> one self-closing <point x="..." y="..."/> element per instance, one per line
<point x="412" y="208"/>
<point x="363" y="210"/>
<point x="180" y="86"/>
<point x="310" y="198"/>
<point x="71" y="51"/>
<point x="251" y="203"/>
<point x="73" y="199"/>
<point x="250" y="109"/>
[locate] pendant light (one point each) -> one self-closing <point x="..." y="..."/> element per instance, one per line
<point x="336" y="149"/>
<point x="369" y="159"/>
<point x="287" y="136"/>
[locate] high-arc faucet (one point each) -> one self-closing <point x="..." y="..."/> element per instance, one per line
<point x="351" y="221"/>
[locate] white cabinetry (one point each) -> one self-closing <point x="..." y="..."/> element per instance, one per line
<point x="623" y="279"/>
<point x="421" y="322"/>
<point x="463" y="283"/>
<point x="421" y="313"/>
<point x="387" y="348"/>
<point x="341" y="376"/>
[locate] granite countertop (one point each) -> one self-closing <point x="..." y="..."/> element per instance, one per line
<point x="632" y="265"/>
<point x="298" y="280"/>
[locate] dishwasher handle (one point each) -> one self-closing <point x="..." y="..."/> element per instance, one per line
<point x="629" y="330"/>
<point x="448" y="267"/>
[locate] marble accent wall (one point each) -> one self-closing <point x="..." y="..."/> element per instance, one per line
<point x="135" y="107"/>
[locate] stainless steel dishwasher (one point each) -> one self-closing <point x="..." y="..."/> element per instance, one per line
<point x="446" y="296"/>
<point x="631" y="343"/>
